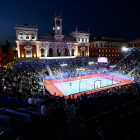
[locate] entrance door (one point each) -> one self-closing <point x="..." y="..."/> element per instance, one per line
<point x="51" y="52"/>
<point x="28" y="54"/>
<point x="42" y="53"/>
<point x="72" y="52"/>
<point x="83" y="53"/>
<point x="59" y="52"/>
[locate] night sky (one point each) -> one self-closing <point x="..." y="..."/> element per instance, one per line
<point x="119" y="19"/>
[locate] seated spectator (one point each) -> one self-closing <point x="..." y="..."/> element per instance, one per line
<point x="45" y="109"/>
<point x="31" y="101"/>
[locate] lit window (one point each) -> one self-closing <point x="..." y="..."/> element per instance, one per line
<point x="58" y="28"/>
<point x="27" y="36"/>
<point x="21" y="35"/>
<point x="86" y="40"/>
<point x="79" y="39"/>
<point x="33" y="36"/>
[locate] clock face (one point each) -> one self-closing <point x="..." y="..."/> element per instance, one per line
<point x="58" y="28"/>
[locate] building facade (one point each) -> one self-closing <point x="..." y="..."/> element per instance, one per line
<point x="106" y="47"/>
<point x="134" y="43"/>
<point x="32" y="45"/>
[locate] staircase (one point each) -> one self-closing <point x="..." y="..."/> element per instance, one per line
<point x="49" y="70"/>
<point x="125" y="56"/>
<point x="136" y="68"/>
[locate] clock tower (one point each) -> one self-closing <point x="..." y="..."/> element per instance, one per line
<point x="57" y="24"/>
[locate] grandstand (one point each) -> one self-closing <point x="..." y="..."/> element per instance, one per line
<point x="64" y="99"/>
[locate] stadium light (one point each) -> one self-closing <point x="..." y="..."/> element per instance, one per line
<point x="124" y="49"/>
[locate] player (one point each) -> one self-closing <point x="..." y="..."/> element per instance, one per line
<point x="47" y="82"/>
<point x="70" y="84"/>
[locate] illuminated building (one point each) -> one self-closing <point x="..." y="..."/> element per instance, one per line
<point x="106" y="47"/>
<point x="32" y="45"/>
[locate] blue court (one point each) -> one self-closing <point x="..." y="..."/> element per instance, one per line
<point x="72" y="87"/>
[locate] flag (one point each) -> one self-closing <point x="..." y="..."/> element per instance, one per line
<point x="68" y="49"/>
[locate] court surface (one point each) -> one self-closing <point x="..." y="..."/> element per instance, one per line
<point x="72" y="87"/>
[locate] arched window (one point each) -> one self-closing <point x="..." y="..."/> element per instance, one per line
<point x="79" y="38"/>
<point x="27" y="36"/>
<point x="101" y="45"/>
<point x="21" y="35"/>
<point x="86" y="40"/>
<point x="33" y="36"/>
<point x="82" y="39"/>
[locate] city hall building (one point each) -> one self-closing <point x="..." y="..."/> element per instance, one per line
<point x="30" y="44"/>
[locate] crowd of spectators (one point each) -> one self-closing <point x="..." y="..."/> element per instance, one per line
<point x="19" y="88"/>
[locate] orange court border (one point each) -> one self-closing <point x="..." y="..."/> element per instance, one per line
<point x="52" y="89"/>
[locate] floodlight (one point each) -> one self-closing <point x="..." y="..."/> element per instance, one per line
<point x="124" y="49"/>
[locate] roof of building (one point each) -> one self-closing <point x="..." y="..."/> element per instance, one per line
<point x="107" y="39"/>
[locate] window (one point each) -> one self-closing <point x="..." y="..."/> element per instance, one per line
<point x="101" y="45"/>
<point x="33" y="36"/>
<point x="58" y="22"/>
<point x="104" y="45"/>
<point x="93" y="45"/>
<point x="96" y="45"/>
<point x="82" y="39"/>
<point x="21" y="35"/>
<point x="27" y="36"/>
<point x="86" y="39"/>
<point x="79" y="38"/>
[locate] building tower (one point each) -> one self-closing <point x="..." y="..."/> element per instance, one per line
<point x="57" y="24"/>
